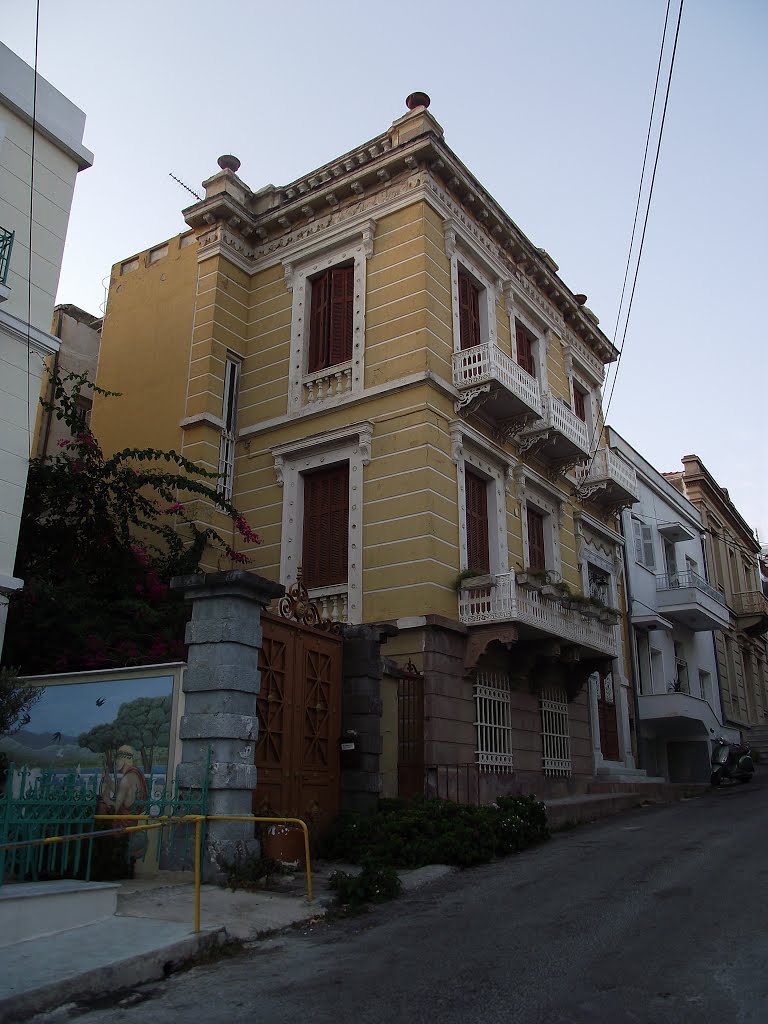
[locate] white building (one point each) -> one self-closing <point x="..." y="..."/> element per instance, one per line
<point x="673" y="613"/>
<point x="34" y="212"/>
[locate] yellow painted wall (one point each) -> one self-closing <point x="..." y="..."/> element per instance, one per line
<point x="145" y="351"/>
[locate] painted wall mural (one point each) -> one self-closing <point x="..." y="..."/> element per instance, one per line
<point x="116" y="731"/>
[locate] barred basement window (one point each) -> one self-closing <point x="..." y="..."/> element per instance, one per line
<point x="494" y="722"/>
<point x="229" y="430"/>
<point x="554" y="731"/>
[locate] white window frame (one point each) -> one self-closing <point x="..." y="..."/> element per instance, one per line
<point x="539" y="345"/>
<point x="496" y="473"/>
<point x="344" y="381"/>
<point x="463" y="254"/>
<point x="493" y="721"/>
<point x="228" y="442"/>
<point x="551" y="515"/>
<point x="292" y="461"/>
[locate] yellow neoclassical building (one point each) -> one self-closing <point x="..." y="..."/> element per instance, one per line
<point x="403" y="396"/>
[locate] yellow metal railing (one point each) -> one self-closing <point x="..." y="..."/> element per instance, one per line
<point x="188" y="819"/>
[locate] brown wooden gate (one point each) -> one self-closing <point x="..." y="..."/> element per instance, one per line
<point x="299" y="710"/>
<point x="606" y="714"/>
<point x="410" y="734"/>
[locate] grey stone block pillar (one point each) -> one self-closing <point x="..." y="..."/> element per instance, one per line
<point x="220" y="686"/>
<point x="361" y="713"/>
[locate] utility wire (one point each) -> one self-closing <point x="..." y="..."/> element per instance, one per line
<point x="31" y="212"/>
<point x="637" y="212"/>
<point x="647" y="208"/>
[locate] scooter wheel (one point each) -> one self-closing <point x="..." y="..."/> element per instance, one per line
<point x="716" y="779"/>
<point x="745" y="778"/>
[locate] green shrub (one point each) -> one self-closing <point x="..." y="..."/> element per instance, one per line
<point x="253" y="873"/>
<point x="425" y="831"/>
<point x="374" y="884"/>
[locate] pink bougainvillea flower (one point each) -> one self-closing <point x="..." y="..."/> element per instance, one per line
<point x="176" y="507"/>
<point x="246" y="532"/>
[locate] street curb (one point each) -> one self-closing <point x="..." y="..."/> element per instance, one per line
<point x="118" y="976"/>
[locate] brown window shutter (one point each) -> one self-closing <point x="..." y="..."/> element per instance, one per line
<point x="317" y="358"/>
<point x="325" y="538"/>
<point x="478" y="554"/>
<point x="341" y="314"/>
<point x="578" y="404"/>
<point x="524" y="340"/>
<point x="469" y="312"/>
<point x="537" y="558"/>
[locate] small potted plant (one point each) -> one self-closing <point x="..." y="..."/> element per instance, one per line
<point x="533" y="579"/>
<point x="470" y="574"/>
<point x="609" y="616"/>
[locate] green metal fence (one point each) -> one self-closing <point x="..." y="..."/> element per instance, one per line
<point x="36" y="804"/>
<point x="6" y="245"/>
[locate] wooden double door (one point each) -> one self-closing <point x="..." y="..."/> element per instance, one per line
<point x="299" y="711"/>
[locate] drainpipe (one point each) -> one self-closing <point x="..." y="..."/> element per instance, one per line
<point x="49" y="412"/>
<point x="632" y="646"/>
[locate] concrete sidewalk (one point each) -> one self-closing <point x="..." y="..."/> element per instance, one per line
<point x="151" y="936"/>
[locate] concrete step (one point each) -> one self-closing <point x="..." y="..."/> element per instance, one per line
<point x="31" y="910"/>
<point x="602" y="804"/>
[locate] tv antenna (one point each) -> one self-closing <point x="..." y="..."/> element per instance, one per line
<point x="190" y="190"/>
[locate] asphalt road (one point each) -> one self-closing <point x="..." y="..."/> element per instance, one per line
<point x="656" y="916"/>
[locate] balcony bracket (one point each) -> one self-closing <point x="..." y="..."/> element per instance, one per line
<point x="508" y="430"/>
<point x="585" y="491"/>
<point x="479" y="639"/>
<point x="476" y="395"/>
<point x="537" y="440"/>
<point x="563" y="466"/>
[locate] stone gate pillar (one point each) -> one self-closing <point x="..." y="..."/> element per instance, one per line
<point x="220" y="687"/>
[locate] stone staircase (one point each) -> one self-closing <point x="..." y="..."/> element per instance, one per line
<point x="757" y="739"/>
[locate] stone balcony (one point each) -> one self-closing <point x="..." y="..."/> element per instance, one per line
<point x="678" y="714"/>
<point x="486" y="370"/>
<point x="751" y="611"/>
<point x="498" y="598"/>
<point x="687" y="598"/>
<point x="608" y="480"/>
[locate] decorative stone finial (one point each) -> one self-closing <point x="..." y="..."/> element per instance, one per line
<point x="580" y="299"/>
<point x="229" y="163"/>
<point x="417" y="99"/>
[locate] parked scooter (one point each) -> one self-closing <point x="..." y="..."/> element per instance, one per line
<point x="731" y="761"/>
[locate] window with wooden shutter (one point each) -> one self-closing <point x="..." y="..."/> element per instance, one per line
<point x="331" y="318"/>
<point x="325" y="539"/>
<point x="579" y="406"/>
<point x="525" y="342"/>
<point x="537" y="559"/>
<point x="469" y="311"/>
<point x="643" y="538"/>
<point x="478" y="552"/>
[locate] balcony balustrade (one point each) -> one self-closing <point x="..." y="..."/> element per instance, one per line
<point x="511" y="391"/>
<point x="687" y="598"/>
<point x="751" y="610"/>
<point x="498" y="598"/>
<point x="559" y="436"/>
<point x="607" y="479"/>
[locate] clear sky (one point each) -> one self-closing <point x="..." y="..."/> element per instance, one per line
<point x="546" y="101"/>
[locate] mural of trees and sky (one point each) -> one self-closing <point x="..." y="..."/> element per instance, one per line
<point x="82" y="725"/>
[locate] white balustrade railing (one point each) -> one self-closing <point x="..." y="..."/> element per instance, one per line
<point x="607" y="465"/>
<point x="334" y="382"/>
<point x="331" y="606"/>
<point x="678" y="580"/>
<point x="482" y="363"/>
<point x="557" y="414"/>
<point x="497" y="599"/>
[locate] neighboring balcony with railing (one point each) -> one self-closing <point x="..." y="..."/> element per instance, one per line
<point x="686" y="598"/>
<point x="511" y="392"/>
<point x="560" y="435"/>
<point x="6" y="248"/>
<point x="751" y="611"/>
<point x="499" y="598"/>
<point x="607" y="479"/>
